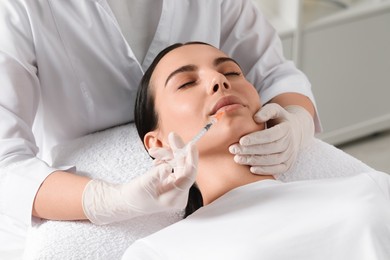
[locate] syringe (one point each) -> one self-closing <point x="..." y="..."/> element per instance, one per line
<point x="204" y="130"/>
<point x="181" y="152"/>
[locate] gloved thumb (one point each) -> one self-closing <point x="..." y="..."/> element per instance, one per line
<point x="186" y="160"/>
<point x="268" y="112"/>
<point x="175" y="141"/>
<point x="161" y="154"/>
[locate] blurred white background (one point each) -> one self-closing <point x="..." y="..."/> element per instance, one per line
<point x="343" y="46"/>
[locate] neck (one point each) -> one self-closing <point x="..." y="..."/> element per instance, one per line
<point x="218" y="174"/>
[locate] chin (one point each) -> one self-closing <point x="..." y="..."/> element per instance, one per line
<point x="229" y="131"/>
<point x="241" y="122"/>
<point x="239" y="127"/>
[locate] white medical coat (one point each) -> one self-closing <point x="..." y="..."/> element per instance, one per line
<point x="338" y="219"/>
<point x="66" y="71"/>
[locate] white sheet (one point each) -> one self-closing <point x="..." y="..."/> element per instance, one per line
<point x="117" y="155"/>
<point x="337" y="218"/>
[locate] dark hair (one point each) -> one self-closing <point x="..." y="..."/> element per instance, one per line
<point x="146" y="118"/>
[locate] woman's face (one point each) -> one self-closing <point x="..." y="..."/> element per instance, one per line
<point x="194" y="82"/>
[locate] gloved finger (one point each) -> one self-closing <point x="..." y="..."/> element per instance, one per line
<point x="263" y="160"/>
<point x="164" y="190"/>
<point x="275" y="169"/>
<point x="269" y="170"/>
<point x="186" y="170"/>
<point x="177" y="146"/>
<point x="266" y="136"/>
<point x="175" y="141"/>
<point x="158" y="180"/>
<point x="182" y="177"/>
<point x="277" y="146"/>
<point x="268" y="112"/>
<point x="161" y="153"/>
<point x="163" y="185"/>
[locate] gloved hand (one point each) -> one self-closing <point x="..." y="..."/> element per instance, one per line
<point x="274" y="150"/>
<point x="164" y="187"/>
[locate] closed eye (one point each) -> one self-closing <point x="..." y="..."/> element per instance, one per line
<point x="232" y="73"/>
<point x="187" y="84"/>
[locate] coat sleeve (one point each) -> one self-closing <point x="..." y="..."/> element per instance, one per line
<point x="21" y="172"/>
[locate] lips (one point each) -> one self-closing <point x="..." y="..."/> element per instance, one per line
<point x="225" y="101"/>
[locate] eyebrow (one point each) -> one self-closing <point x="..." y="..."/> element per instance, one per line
<point x="191" y="67"/>
<point x="221" y="60"/>
<point x="186" y="68"/>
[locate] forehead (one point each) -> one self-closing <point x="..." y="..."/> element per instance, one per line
<point x="194" y="54"/>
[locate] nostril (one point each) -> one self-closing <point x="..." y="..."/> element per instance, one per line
<point x="225" y="85"/>
<point x="215" y="88"/>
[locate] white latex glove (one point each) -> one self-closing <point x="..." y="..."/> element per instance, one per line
<point x="274" y="150"/>
<point x="162" y="188"/>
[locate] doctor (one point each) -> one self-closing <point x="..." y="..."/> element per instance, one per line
<point x="70" y="68"/>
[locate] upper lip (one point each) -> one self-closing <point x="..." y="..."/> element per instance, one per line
<point x="225" y="101"/>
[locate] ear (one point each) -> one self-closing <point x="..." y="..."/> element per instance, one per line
<point x="152" y="139"/>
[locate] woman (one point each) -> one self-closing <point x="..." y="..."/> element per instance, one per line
<point x="154" y="122"/>
<point x="244" y="215"/>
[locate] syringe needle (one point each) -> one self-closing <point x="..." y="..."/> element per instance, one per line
<point x="204" y="130"/>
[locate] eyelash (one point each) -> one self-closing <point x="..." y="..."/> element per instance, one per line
<point x="232" y="73"/>
<point x="186" y="84"/>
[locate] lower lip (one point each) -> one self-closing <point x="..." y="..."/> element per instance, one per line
<point x="230" y="107"/>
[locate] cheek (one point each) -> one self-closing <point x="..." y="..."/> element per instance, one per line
<point x="179" y="116"/>
<point x="253" y="98"/>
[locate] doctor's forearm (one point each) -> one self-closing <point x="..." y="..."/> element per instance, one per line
<point x="60" y="197"/>
<point x="288" y="99"/>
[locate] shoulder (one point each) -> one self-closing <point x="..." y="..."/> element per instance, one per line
<point x="381" y="179"/>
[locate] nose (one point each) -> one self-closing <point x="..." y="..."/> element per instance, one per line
<point x="219" y="83"/>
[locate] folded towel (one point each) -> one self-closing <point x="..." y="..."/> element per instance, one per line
<point x="320" y="160"/>
<point x="117" y="155"/>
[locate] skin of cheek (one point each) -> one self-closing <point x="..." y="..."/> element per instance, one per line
<point x="179" y="117"/>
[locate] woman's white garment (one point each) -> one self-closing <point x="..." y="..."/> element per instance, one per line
<point x="66" y="70"/>
<point x="341" y="218"/>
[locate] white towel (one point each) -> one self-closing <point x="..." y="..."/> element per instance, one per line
<point x="117" y="155"/>
<point x="321" y="160"/>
